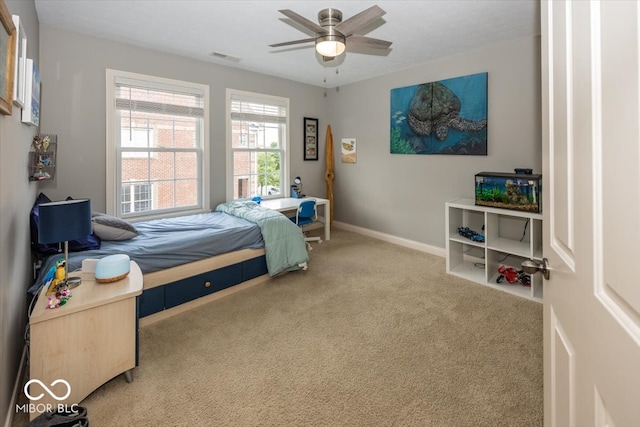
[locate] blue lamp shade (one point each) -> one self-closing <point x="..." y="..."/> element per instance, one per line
<point x="64" y="221"/>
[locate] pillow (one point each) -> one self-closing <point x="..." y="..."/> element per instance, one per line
<point x="84" y="244"/>
<point x="109" y="227"/>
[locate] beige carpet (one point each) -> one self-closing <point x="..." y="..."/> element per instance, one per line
<point x="372" y="334"/>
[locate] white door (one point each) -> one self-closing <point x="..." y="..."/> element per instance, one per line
<point x="591" y="205"/>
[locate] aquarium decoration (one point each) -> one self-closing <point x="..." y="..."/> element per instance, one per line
<point x="509" y="191"/>
<point x="443" y="117"/>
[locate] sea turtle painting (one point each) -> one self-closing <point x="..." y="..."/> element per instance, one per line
<point x="435" y="108"/>
<point x="440" y="117"/>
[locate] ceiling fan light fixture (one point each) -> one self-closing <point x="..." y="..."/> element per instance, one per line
<point x="330" y="45"/>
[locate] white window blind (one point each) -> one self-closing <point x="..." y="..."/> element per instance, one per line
<point x="250" y="110"/>
<point x="157" y="100"/>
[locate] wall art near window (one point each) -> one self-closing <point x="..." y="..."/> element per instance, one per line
<point x="31" y="109"/>
<point x="310" y="139"/>
<point x="348" y="150"/>
<point x="443" y="117"/>
<point x="19" y="62"/>
<point x="7" y="52"/>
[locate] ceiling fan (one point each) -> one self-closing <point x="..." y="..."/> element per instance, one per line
<point x="332" y="34"/>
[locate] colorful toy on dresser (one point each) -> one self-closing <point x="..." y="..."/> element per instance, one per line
<point x="56" y="293"/>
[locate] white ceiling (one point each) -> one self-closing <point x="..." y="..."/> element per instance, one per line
<point x="421" y="31"/>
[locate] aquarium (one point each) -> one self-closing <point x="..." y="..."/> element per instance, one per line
<point x="509" y="191"/>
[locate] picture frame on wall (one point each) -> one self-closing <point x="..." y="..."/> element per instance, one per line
<point x="7" y="57"/>
<point x="20" y="61"/>
<point x="310" y="138"/>
<point x="348" y="150"/>
<point x="31" y="109"/>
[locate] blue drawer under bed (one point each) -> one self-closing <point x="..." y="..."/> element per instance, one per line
<point x="156" y="299"/>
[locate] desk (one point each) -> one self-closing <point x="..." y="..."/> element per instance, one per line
<point x="291" y="204"/>
<point x="87" y="341"/>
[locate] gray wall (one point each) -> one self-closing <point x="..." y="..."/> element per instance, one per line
<point x="401" y="195"/>
<point x="73" y="107"/>
<point x="16" y="197"/>
<point x="404" y="195"/>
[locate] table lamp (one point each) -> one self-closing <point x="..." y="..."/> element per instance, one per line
<point x="64" y="221"/>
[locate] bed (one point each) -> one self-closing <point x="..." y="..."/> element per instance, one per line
<point x="189" y="257"/>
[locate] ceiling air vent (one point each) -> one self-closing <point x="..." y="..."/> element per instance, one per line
<point x="225" y="56"/>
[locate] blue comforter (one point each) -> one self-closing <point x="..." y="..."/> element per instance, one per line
<point x="283" y="240"/>
<point x="169" y="242"/>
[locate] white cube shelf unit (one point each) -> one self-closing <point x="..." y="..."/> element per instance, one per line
<point x="510" y="237"/>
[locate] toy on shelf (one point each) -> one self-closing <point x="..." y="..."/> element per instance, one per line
<point x="513" y="276"/>
<point x="470" y="234"/>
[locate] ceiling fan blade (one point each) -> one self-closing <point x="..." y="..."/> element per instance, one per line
<point x="355" y="40"/>
<point x="359" y="20"/>
<point x="302" y="21"/>
<point x="292" y="42"/>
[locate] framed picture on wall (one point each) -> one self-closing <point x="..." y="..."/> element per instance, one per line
<point x="7" y="52"/>
<point x="31" y="109"/>
<point x="310" y="139"/>
<point x="19" y="63"/>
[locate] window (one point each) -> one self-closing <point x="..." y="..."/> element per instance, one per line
<point x="257" y="135"/>
<point x="135" y="137"/>
<point x="136" y="198"/>
<point x="157" y="146"/>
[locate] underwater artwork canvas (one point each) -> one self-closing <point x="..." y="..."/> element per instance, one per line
<point x="444" y="117"/>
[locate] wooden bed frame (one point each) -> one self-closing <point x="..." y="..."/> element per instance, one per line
<point x="183" y="287"/>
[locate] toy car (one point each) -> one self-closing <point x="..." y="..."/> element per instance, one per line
<point x="508" y="273"/>
<point x="513" y="276"/>
<point x="470" y="234"/>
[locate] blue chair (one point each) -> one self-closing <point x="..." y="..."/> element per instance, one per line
<point x="307" y="214"/>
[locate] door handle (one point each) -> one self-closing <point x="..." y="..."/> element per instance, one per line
<point x="531" y="267"/>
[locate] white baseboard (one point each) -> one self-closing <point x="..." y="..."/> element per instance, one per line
<point x="412" y="244"/>
<point x="16" y="389"/>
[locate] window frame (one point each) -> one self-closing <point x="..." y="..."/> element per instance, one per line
<point x="113" y="171"/>
<point x="285" y="163"/>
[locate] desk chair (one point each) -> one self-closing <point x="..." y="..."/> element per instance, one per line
<point x="307" y="214"/>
